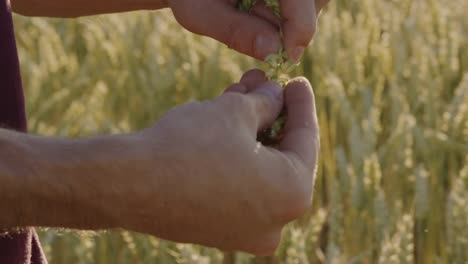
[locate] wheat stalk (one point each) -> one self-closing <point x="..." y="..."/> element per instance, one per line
<point x="278" y="66"/>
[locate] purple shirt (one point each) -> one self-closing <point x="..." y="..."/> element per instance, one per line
<point x="15" y="248"/>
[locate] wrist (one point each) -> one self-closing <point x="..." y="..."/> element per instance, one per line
<point x="103" y="171"/>
<point x="75" y="182"/>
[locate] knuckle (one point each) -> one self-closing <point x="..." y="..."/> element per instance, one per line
<point x="244" y="40"/>
<point x="234" y="102"/>
<point x="255" y="73"/>
<point x="238" y="106"/>
<point x="235" y="88"/>
<point x="229" y="102"/>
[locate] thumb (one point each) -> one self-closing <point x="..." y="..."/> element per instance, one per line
<point x="301" y="134"/>
<point x="240" y="31"/>
<point x="267" y="102"/>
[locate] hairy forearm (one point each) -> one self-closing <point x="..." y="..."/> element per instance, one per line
<point x="77" y="8"/>
<point x="64" y="182"/>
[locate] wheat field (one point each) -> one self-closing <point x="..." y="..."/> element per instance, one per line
<point x="391" y="84"/>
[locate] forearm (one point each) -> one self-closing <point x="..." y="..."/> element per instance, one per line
<point x="62" y="182"/>
<point x="77" y="8"/>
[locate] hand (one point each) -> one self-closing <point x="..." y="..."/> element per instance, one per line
<point x="219" y="186"/>
<point x="198" y="175"/>
<point x="255" y="34"/>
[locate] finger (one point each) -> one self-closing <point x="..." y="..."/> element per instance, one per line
<point x="261" y="10"/>
<point x="236" y="88"/>
<point x="299" y="26"/>
<point x="253" y="79"/>
<point x="267" y="102"/>
<point x="241" y="31"/>
<point x="301" y="133"/>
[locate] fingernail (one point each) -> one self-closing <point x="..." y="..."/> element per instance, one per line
<point x="266" y="45"/>
<point x="272" y="89"/>
<point x="299" y="80"/>
<point x="296" y="54"/>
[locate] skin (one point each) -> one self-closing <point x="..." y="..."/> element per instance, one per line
<point x="197" y="175"/>
<point x="255" y="34"/>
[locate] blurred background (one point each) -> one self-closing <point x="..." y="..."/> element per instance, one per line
<point x="391" y="84"/>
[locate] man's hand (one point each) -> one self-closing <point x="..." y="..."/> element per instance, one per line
<point x="224" y="188"/>
<point x="255" y="33"/>
<point x="198" y="175"/>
